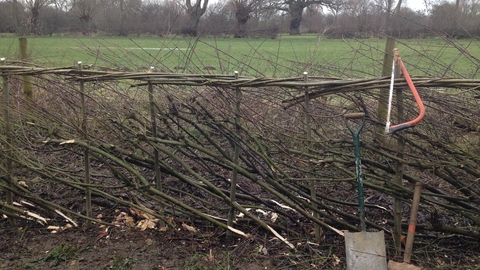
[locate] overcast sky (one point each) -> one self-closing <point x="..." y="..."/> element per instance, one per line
<point x="415" y="4"/>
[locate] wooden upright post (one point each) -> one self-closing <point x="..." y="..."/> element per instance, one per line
<point x="397" y="215"/>
<point x="383" y="100"/>
<point x="88" y="191"/>
<point x="26" y="79"/>
<point x="308" y="130"/>
<point x="156" y="160"/>
<point x="8" y="137"/>
<point x="412" y="223"/>
<point x="236" y="156"/>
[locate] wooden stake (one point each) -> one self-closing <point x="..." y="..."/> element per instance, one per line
<point x="236" y="155"/>
<point x="86" y="162"/>
<point x="26" y="79"/>
<point x="308" y="127"/>
<point x="412" y="223"/>
<point x="156" y="161"/>
<point x="383" y="100"/>
<point x="397" y="212"/>
<point x="8" y="138"/>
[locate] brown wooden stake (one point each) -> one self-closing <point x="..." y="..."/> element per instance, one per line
<point x="412" y="223"/>
<point x="86" y="162"/>
<point x="156" y="161"/>
<point x="397" y="212"/>
<point x="26" y="79"/>
<point x="383" y="99"/>
<point x="236" y="157"/>
<point x="308" y="127"/>
<point x="8" y="138"/>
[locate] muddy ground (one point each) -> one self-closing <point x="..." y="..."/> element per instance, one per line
<point x="29" y="245"/>
<point x="32" y="246"/>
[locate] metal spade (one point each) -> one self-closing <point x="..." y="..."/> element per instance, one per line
<point x="364" y="250"/>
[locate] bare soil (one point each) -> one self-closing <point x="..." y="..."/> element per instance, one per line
<point x="28" y="245"/>
<point x="31" y="246"/>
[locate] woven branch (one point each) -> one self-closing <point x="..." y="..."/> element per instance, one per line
<point x="322" y="84"/>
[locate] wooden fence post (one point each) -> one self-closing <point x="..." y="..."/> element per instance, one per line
<point x="8" y="139"/>
<point x="6" y="131"/>
<point x="88" y="191"/>
<point x="236" y="154"/>
<point x="26" y="79"/>
<point x="397" y="212"/>
<point x="383" y="99"/>
<point x="412" y="223"/>
<point x="156" y="161"/>
<point x="308" y="130"/>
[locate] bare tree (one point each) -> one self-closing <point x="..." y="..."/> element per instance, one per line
<point x="314" y="19"/>
<point x="295" y="9"/>
<point x="194" y="12"/>
<point x="470" y="8"/>
<point x="13" y="16"/>
<point x="16" y="19"/>
<point x="62" y="5"/>
<point x="335" y="7"/>
<point x="34" y="6"/>
<point x="85" y="10"/>
<point x="441" y="18"/>
<point x="455" y="18"/>
<point x="359" y="12"/>
<point x="171" y="11"/>
<point x="427" y="4"/>
<point x="384" y="9"/>
<point x="129" y="9"/>
<point x="8" y="17"/>
<point x="243" y="10"/>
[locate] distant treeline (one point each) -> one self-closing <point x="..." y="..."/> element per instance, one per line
<point x="355" y="18"/>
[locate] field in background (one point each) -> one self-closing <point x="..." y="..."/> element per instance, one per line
<point x="282" y="57"/>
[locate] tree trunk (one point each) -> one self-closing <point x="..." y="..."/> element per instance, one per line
<point x="455" y="19"/>
<point x="16" y="20"/>
<point x="34" y="20"/>
<point x="122" y="31"/>
<point x="242" y="14"/>
<point x="195" y="12"/>
<point x="242" y="19"/>
<point x="192" y="27"/>
<point x="296" y="12"/>
<point x="241" y="29"/>
<point x="85" y="25"/>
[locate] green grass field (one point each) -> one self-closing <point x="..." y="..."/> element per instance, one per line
<point x="282" y="57"/>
